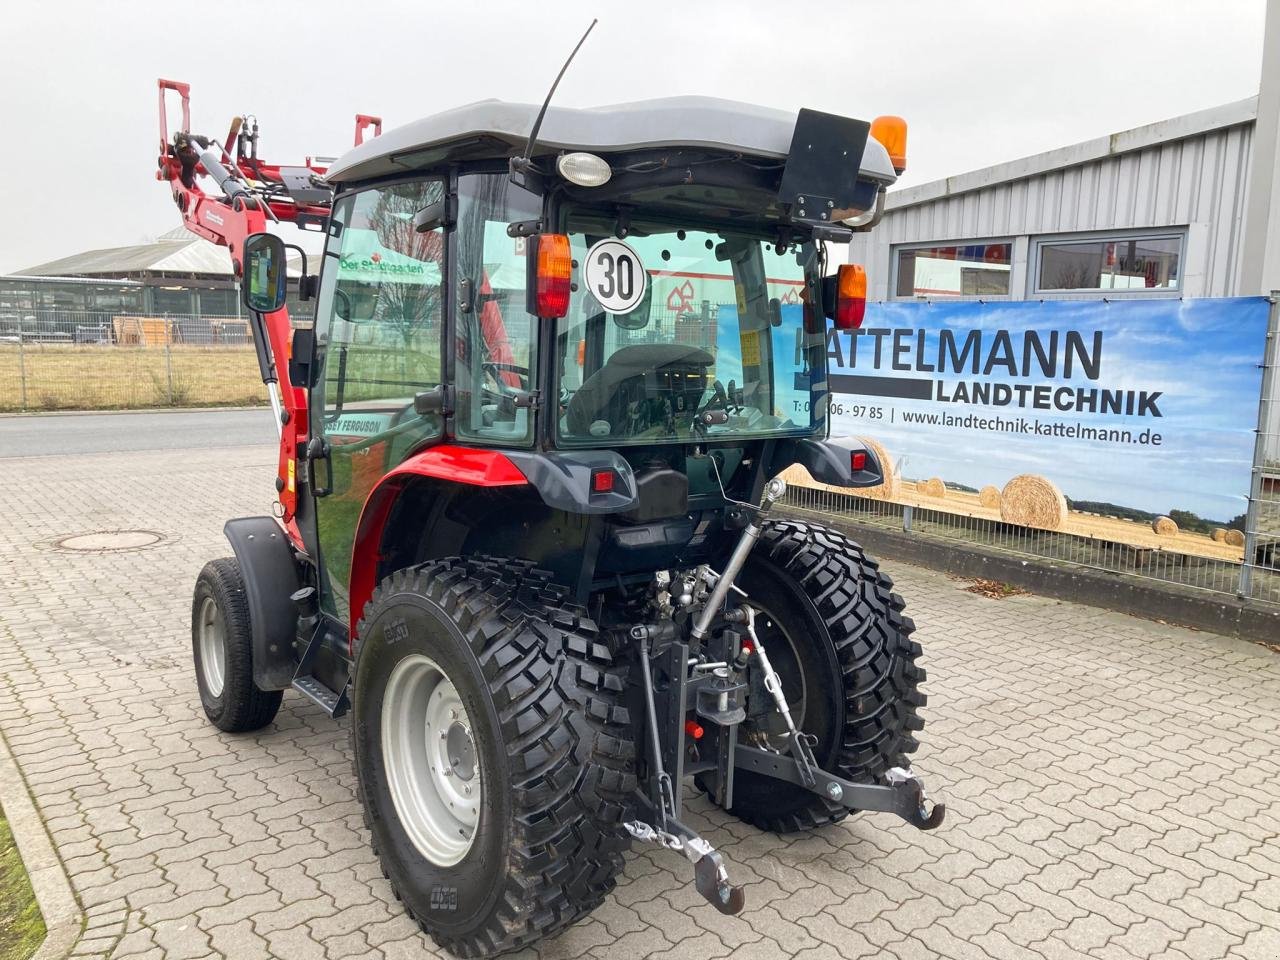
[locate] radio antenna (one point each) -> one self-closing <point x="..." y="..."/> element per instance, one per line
<point x="521" y="164"/>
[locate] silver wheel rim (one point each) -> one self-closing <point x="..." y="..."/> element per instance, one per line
<point x="430" y="761"/>
<point x="213" y="647"/>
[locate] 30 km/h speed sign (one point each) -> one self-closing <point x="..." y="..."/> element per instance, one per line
<point x="615" y="276"/>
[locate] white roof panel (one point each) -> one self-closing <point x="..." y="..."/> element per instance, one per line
<point x="696" y="122"/>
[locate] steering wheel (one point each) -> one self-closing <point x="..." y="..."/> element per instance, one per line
<point x="730" y="400"/>
<point x="493" y="368"/>
<point x="495" y="388"/>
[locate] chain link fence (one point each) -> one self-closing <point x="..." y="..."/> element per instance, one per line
<point x="1246" y="564"/>
<point x="66" y="360"/>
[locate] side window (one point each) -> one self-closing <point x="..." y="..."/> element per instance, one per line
<point x="379" y="324"/>
<point x="497" y="337"/>
<point x="384" y="309"/>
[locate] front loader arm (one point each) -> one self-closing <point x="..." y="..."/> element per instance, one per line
<point x="249" y="194"/>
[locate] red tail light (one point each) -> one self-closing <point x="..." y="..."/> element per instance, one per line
<point x="554" y="270"/>
<point x="851" y="296"/>
<point x="602" y="481"/>
<point x="858" y="460"/>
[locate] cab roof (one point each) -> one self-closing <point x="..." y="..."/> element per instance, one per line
<point x="494" y="128"/>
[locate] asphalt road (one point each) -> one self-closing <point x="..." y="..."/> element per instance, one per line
<point x="71" y="434"/>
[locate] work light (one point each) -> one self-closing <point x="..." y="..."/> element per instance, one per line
<point x="584" y="169"/>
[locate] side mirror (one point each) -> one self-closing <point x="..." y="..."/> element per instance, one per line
<point x="264" y="285"/>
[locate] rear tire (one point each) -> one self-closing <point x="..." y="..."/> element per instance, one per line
<point x="222" y="648"/>
<point x="847" y="652"/>
<point x="547" y="750"/>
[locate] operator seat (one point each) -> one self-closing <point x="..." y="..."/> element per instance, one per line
<point x="642" y="371"/>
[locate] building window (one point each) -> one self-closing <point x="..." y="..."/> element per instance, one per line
<point x="218" y="303"/>
<point x="1109" y="264"/>
<point x="172" y="300"/>
<point x="958" y="270"/>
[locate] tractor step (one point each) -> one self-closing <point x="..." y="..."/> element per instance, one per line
<point x="334" y="704"/>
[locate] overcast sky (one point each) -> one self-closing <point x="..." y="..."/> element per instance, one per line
<point x="979" y="82"/>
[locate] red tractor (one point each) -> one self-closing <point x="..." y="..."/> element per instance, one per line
<point x="532" y="416"/>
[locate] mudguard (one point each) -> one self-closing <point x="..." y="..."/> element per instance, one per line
<point x="829" y="461"/>
<point x="563" y="479"/>
<point x="270" y="577"/>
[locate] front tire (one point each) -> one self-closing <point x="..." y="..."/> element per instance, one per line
<point x="537" y="739"/>
<point x="836" y="634"/>
<point x="222" y="648"/>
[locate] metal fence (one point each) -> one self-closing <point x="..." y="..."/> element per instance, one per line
<point x="65" y="360"/>
<point x="1260" y="573"/>
<point x="1255" y="575"/>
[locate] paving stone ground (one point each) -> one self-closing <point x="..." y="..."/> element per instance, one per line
<point x="1113" y="784"/>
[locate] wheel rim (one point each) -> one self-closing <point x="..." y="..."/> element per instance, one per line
<point x="213" y="647"/>
<point x="430" y="760"/>
<point x="785" y="657"/>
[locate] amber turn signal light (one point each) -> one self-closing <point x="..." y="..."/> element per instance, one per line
<point x="554" y="272"/>
<point x="851" y="296"/>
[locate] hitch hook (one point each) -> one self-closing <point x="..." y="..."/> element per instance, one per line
<point x="916" y="811"/>
<point x="710" y="876"/>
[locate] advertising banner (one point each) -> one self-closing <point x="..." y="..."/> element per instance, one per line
<point x="1131" y="409"/>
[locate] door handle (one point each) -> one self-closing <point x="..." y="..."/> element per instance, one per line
<point x="317" y="449"/>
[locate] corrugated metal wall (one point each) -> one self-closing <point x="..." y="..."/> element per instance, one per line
<point x="1199" y="183"/>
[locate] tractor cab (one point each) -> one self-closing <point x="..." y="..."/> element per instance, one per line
<point x="633" y="318"/>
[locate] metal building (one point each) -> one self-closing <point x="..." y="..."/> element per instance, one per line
<point x="177" y="274"/>
<point x="78" y="298"/>
<point x="1153" y="211"/>
<point x="1186" y="207"/>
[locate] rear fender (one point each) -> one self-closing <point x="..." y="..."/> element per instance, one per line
<point x="270" y="574"/>
<point x="830" y="461"/>
<point x="562" y="480"/>
<point x="464" y="465"/>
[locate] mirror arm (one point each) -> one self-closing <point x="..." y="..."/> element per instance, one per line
<point x="305" y="291"/>
<point x="302" y="253"/>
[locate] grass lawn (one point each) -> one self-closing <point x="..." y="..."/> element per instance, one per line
<point x="67" y="377"/>
<point x="21" y="926"/>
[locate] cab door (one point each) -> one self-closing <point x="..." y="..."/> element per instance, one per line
<point x="379" y="341"/>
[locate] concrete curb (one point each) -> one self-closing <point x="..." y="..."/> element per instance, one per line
<point x="62" y="917"/>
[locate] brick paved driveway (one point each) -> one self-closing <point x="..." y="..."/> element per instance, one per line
<point x="1113" y="784"/>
